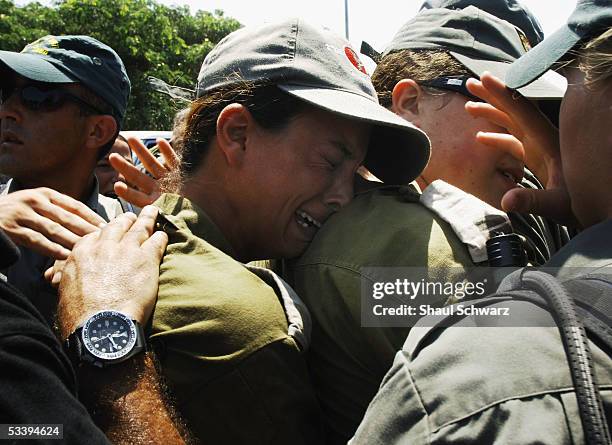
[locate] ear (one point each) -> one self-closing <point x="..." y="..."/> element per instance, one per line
<point x="407" y="98"/>
<point x="232" y="128"/>
<point x="101" y="130"/>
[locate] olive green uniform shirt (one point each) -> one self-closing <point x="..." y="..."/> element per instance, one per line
<point x="222" y="339"/>
<point x="484" y="385"/>
<point x="384" y="227"/>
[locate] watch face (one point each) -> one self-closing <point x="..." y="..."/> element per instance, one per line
<point x="109" y="335"/>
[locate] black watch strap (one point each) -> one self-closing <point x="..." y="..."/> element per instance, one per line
<point x="79" y="355"/>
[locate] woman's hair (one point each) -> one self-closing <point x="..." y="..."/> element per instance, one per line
<point x="595" y="58"/>
<point x="271" y="108"/>
<point x="419" y="65"/>
<point x="178" y="128"/>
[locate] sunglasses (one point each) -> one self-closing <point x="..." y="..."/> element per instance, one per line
<point x="456" y="84"/>
<point x="43" y="99"/>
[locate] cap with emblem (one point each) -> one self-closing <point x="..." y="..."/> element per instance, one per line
<point x="478" y="40"/>
<point x="590" y="18"/>
<point x="74" y="59"/>
<point x="319" y="67"/>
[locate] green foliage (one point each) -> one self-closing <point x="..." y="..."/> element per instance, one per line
<point x="22" y="25"/>
<point x="152" y="40"/>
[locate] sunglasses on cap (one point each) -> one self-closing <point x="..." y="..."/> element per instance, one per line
<point x="43" y="98"/>
<point x="455" y="83"/>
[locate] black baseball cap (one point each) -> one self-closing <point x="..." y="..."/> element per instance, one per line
<point x="478" y="40"/>
<point x="509" y="10"/>
<point x="319" y="67"/>
<point x="590" y="18"/>
<point x="74" y="59"/>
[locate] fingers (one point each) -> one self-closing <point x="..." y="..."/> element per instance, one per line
<point x="503" y="141"/>
<point x="144" y="226"/>
<point x="77" y="208"/>
<point x="134" y="196"/>
<point x="494" y="91"/>
<point x="53" y="231"/>
<point x="153" y="166"/>
<point x="539" y="137"/>
<point x="54" y="274"/>
<point x="156" y="245"/>
<point x="554" y="204"/>
<point x="117" y="228"/>
<point x="488" y="87"/>
<point x="143" y="189"/>
<point x="170" y="156"/>
<point x="490" y="113"/>
<point x="476" y="87"/>
<point x="46" y="221"/>
<point x="48" y="273"/>
<point x="34" y="240"/>
<point x="502" y="95"/>
<point x="133" y="175"/>
<point x="70" y="226"/>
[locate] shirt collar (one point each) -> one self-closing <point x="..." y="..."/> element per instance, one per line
<point x="188" y="216"/>
<point x="92" y="201"/>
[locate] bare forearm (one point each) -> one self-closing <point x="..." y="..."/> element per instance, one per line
<point x="128" y="402"/>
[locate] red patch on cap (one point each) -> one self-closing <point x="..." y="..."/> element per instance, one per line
<point x="352" y="56"/>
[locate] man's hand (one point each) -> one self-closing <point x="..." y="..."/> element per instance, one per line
<point x="540" y="140"/>
<point x="46" y="221"/>
<point x="143" y="189"/>
<point x="115" y="268"/>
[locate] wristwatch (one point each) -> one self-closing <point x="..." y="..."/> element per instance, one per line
<point x="106" y="338"/>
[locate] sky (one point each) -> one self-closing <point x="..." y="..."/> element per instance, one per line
<point x="373" y="21"/>
<point x="376" y="21"/>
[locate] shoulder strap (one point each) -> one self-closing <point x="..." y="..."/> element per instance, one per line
<point x="593" y="291"/>
<point x="593" y="296"/>
<point x="473" y="220"/>
<point x="298" y="317"/>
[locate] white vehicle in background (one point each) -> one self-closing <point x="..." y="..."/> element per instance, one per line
<point x="148" y="138"/>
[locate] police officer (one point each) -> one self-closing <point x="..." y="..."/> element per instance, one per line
<point x="63" y="100"/>
<point x="463" y="379"/>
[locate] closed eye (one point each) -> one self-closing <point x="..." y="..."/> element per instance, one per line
<point x="332" y="163"/>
